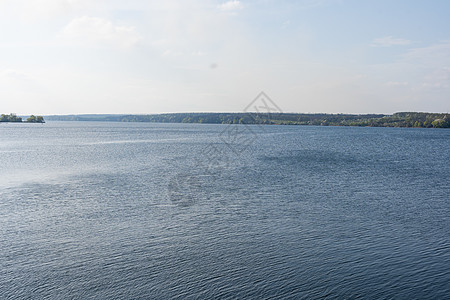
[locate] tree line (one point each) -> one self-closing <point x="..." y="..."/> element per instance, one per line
<point x="400" y="119"/>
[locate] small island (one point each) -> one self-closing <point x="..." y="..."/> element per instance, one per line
<point x="13" y="118"/>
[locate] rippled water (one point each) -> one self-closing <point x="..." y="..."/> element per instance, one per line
<point x="193" y="211"/>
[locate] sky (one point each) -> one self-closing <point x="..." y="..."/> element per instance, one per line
<point x="144" y="57"/>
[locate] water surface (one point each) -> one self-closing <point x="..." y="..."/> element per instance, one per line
<point x="195" y="211"/>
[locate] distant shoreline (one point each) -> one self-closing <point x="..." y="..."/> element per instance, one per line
<point x="400" y="119"/>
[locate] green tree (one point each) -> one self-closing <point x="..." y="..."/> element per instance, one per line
<point x="35" y="119"/>
<point x="31" y="119"/>
<point x="14" y="118"/>
<point x="439" y="123"/>
<point x="4" y="118"/>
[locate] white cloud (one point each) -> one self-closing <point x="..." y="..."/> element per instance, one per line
<point x="435" y="85"/>
<point x="14" y="74"/>
<point x="199" y="53"/>
<point x="172" y="53"/>
<point x="286" y="24"/>
<point x="231" y="5"/>
<point x="435" y="55"/>
<point x="389" y="41"/>
<point x="432" y="64"/>
<point x="36" y="10"/>
<point x="397" y="83"/>
<point x="100" y="30"/>
<point x="15" y="84"/>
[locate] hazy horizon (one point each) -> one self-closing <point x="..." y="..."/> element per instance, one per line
<point x="62" y="57"/>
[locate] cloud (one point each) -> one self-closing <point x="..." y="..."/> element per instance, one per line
<point x="397" y="83"/>
<point x="435" y="85"/>
<point x="231" y="5"/>
<point x="100" y="30"/>
<point x="14" y="74"/>
<point x="18" y="82"/>
<point x="199" y="53"/>
<point x="389" y="41"/>
<point x="172" y="53"/>
<point x="436" y="55"/>
<point x="38" y="10"/>
<point x="431" y="63"/>
<point x="286" y="24"/>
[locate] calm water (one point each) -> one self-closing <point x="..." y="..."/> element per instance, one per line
<point x="192" y="211"/>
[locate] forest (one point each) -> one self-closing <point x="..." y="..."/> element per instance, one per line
<point x="400" y="119"/>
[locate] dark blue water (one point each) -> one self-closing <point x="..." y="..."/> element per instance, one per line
<point x="192" y="211"/>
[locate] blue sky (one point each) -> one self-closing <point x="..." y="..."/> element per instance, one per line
<point x="136" y="56"/>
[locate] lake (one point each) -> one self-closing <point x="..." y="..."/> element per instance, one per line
<point x="194" y="211"/>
